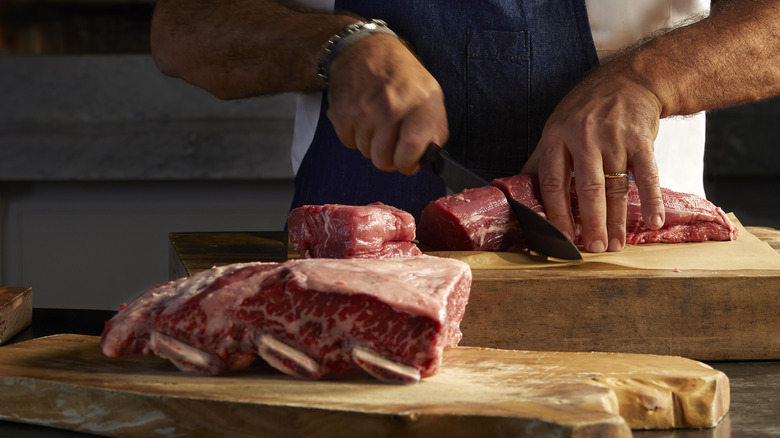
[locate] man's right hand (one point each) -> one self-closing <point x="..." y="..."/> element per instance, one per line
<point x="385" y="103"/>
<point x="382" y="100"/>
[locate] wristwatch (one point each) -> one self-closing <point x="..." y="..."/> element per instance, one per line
<point x="347" y="37"/>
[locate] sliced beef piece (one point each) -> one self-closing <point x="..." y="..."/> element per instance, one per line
<point x="472" y="220"/>
<point x="347" y="231"/>
<point x="689" y="218"/>
<point x="523" y="188"/>
<point x="391" y="317"/>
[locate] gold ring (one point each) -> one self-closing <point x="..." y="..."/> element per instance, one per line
<point x="612" y="175"/>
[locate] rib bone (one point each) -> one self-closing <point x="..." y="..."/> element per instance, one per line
<point x="288" y="359"/>
<point x="385" y="369"/>
<point x="185" y="357"/>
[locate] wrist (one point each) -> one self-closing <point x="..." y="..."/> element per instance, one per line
<point x="344" y="39"/>
<point x="646" y="73"/>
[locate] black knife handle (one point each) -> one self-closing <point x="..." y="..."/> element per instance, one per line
<point x="431" y="159"/>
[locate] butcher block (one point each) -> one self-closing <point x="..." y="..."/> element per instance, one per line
<point x="15" y="311"/>
<point x="65" y="381"/>
<point x="705" y="300"/>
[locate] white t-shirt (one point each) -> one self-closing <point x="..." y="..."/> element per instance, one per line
<point x="615" y="24"/>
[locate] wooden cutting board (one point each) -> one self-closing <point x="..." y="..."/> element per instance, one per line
<point x="15" y="311"/>
<point x="65" y="381"/>
<point x="705" y="314"/>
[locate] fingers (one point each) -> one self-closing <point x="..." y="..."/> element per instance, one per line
<point x="383" y="145"/>
<point x="616" y="192"/>
<point x="554" y="183"/>
<point x="602" y="200"/>
<point x="603" y="197"/>
<point x="591" y="198"/>
<point x="648" y="185"/>
<point x="428" y="124"/>
<point x="386" y="104"/>
<point x="397" y="144"/>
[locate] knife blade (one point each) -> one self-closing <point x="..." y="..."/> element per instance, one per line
<point x="540" y="235"/>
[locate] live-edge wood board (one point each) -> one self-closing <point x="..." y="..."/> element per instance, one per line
<point x="65" y="381"/>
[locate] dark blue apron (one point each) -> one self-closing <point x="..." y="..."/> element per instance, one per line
<point x="503" y="66"/>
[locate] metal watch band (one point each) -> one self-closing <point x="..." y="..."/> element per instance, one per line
<point x="347" y="37"/>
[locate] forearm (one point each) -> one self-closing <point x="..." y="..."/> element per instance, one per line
<point x="241" y="48"/>
<point x="731" y="57"/>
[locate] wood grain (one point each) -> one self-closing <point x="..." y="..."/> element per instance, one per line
<point x="15" y="311"/>
<point x="65" y="381"/>
<point x="700" y="314"/>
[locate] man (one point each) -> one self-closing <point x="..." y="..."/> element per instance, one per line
<point x="508" y="86"/>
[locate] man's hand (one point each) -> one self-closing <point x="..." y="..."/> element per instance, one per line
<point x="385" y="103"/>
<point x="606" y="124"/>
<point x="382" y="100"/>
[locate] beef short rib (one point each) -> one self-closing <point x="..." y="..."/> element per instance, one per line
<point x="481" y="219"/>
<point x="392" y="317"/>
<point x="347" y="231"/>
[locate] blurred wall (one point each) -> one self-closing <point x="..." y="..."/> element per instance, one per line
<point x="101" y="156"/>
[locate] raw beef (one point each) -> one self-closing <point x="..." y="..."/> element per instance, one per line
<point x="689" y="218"/>
<point x="472" y="220"/>
<point x="459" y="222"/>
<point x="523" y="188"/>
<point x="346" y="231"/>
<point x="392" y="317"/>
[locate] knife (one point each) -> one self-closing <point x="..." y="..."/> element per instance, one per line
<point x="540" y="235"/>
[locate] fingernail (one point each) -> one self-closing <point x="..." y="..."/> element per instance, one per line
<point x="614" y="244"/>
<point x="597" y="246"/>
<point x="656" y="222"/>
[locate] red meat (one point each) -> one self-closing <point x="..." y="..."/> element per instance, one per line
<point x="347" y="231"/>
<point x="391" y="317"/>
<point x="472" y="220"/>
<point x="461" y="221"/>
